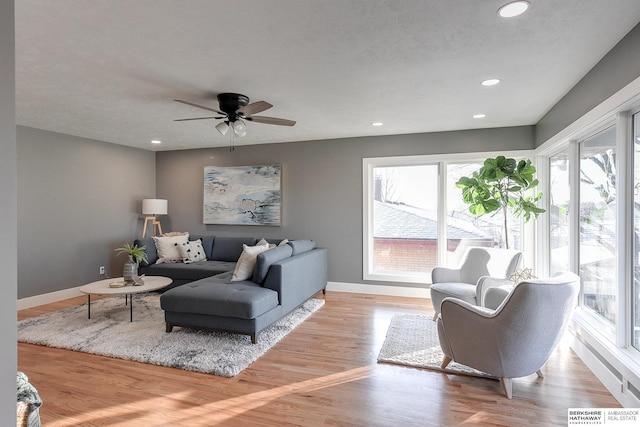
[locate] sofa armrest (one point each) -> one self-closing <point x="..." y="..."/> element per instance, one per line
<point x="487" y="282"/>
<point x="494" y="297"/>
<point x="298" y="278"/>
<point x="444" y="274"/>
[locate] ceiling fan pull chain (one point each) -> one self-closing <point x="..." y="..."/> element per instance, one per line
<point x="232" y="142"/>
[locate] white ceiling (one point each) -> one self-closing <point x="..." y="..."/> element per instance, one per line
<point x="110" y="69"/>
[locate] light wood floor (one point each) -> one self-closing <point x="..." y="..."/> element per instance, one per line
<point x="322" y="374"/>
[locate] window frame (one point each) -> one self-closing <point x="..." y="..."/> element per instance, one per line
<point x="591" y="332"/>
<point x="441" y="160"/>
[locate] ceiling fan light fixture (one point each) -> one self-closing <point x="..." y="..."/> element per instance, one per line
<point x="240" y="128"/>
<point x="222" y="127"/>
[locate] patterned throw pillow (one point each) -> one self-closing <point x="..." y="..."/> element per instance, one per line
<point x="192" y="251"/>
<point x="167" y="247"/>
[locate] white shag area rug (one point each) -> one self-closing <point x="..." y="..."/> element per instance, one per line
<point x="412" y="340"/>
<point x="110" y="333"/>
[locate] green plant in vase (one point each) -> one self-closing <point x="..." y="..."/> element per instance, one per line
<point x="136" y="255"/>
<point x="502" y="183"/>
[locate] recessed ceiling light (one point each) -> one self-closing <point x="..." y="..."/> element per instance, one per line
<point x="156" y="141"/>
<point x="490" y="82"/>
<point x="377" y="124"/>
<point x="514" y="8"/>
<point x="479" y="116"/>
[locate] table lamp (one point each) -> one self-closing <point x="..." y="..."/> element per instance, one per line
<point x="151" y="208"/>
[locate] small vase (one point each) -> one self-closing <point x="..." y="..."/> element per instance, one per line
<point x="130" y="271"/>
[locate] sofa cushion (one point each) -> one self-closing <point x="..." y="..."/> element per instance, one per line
<point x="244" y="300"/>
<point x="265" y="259"/>
<point x="247" y="261"/>
<point x="194" y="271"/>
<point x="229" y="248"/>
<point x="300" y="246"/>
<point x="149" y="248"/>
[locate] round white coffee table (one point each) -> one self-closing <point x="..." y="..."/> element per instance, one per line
<point x="101" y="287"/>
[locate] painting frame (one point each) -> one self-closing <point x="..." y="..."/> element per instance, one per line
<point x="242" y="195"/>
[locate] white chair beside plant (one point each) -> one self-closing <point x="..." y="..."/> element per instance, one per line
<point x="517" y="338"/>
<point x="469" y="282"/>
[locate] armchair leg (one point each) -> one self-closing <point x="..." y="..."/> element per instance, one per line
<point x="507" y="386"/>
<point x="435" y="316"/>
<point x="539" y="373"/>
<point x="445" y="362"/>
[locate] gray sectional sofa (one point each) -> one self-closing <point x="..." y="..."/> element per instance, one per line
<point x="203" y="295"/>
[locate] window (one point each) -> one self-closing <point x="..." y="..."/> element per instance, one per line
<point x="415" y="219"/>
<point x="597" y="221"/>
<point x="465" y="229"/>
<point x="559" y="195"/>
<point x="405" y="214"/>
<point x="592" y="179"/>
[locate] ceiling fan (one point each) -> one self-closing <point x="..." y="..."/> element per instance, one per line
<point x="234" y="110"/>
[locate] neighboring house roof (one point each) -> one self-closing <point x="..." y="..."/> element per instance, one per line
<point x="398" y="221"/>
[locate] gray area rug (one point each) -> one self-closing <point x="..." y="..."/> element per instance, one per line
<point x="412" y="340"/>
<point x="110" y="333"/>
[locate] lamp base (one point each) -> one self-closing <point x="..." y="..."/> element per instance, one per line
<point x="156" y="225"/>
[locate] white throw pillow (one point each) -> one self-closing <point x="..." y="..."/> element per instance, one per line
<point x="264" y="242"/>
<point x="247" y="261"/>
<point x="272" y="245"/>
<point x="167" y="248"/>
<point x="192" y="251"/>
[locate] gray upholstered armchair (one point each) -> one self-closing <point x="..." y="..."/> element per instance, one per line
<point x="517" y="338"/>
<point x="468" y="281"/>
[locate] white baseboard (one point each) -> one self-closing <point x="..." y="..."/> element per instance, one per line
<point x="617" y="386"/>
<point x="37" y="300"/>
<point x="396" y="291"/>
<point x="356" y="288"/>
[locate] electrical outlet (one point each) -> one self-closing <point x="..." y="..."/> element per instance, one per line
<point x="102" y="269"/>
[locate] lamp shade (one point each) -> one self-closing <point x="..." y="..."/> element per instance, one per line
<point x="154" y="206"/>
<point x="239" y="128"/>
<point x="222" y="127"/>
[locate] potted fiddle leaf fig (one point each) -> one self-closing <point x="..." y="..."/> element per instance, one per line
<point x="502" y="183"/>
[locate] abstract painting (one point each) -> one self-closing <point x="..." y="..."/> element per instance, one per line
<point x="242" y="195"/>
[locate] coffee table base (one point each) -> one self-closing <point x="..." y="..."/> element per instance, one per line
<point x="127" y="297"/>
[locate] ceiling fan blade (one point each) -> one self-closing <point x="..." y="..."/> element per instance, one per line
<point x="254" y="107"/>
<point x="271" y="120"/>
<point x="199" y="106"/>
<point x="197" y="118"/>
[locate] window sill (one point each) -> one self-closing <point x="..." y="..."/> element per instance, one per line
<point x="397" y="277"/>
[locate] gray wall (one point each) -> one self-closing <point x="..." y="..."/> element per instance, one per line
<point x="618" y="68"/>
<point x="321" y="185"/>
<point x="78" y="200"/>
<point x="8" y="195"/>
